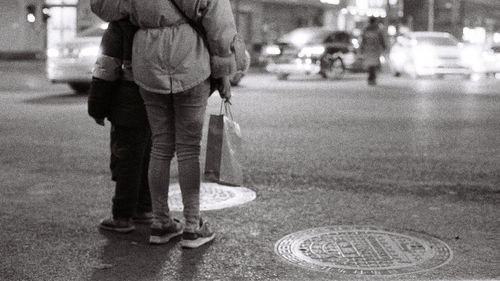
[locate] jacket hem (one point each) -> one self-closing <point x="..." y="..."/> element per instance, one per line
<point x="171" y="91"/>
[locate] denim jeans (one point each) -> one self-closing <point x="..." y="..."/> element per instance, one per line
<point x="176" y="122"/>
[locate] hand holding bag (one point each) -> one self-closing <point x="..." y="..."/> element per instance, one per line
<point x="223" y="161"/>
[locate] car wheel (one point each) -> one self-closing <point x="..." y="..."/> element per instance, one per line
<point x="80" y="87"/>
<point x="283" y="76"/>
<point x="333" y="69"/>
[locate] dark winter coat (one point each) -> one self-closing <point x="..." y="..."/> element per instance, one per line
<point x="169" y="56"/>
<point x="113" y="93"/>
<point x="372" y="45"/>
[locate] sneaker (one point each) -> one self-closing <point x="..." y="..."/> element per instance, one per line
<point x="143" y="218"/>
<point x="117" y="225"/>
<point x="200" y="237"/>
<point x="161" y="234"/>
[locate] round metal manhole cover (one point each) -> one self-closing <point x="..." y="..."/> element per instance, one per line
<point x="363" y="250"/>
<point x="213" y="196"/>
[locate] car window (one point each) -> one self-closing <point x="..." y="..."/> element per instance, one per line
<point x="338" y="37"/>
<point x="437" y="41"/>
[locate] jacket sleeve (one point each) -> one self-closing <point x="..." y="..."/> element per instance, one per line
<point x="110" y="10"/>
<point x="106" y="72"/>
<point x="217" y="19"/>
<point x="100" y="98"/>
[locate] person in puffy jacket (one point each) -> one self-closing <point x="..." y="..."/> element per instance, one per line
<point x="172" y="63"/>
<point x="115" y="96"/>
<point x="372" y="46"/>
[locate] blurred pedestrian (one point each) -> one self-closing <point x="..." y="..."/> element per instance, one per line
<point x="172" y="63"/>
<point x="372" y="47"/>
<point x="115" y="96"/>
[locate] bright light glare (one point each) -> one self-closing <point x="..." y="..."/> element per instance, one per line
<point x="89" y="52"/>
<point x="332" y="2"/>
<point x="52" y="52"/>
<point x="474" y="35"/>
<point x="472" y="57"/>
<point x="391" y="30"/>
<point x="496" y="37"/>
<point x="104" y="25"/>
<point x="425" y="55"/>
<point x="30" y="18"/>
<point x="355" y="43"/>
<point x="312" y="51"/>
<point x="272" y="50"/>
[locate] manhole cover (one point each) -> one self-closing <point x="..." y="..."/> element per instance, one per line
<point x="213" y="196"/>
<point x="364" y="250"/>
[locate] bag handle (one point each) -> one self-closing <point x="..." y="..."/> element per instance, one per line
<point x="227" y="108"/>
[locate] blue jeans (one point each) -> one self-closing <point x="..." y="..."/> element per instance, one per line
<point x="176" y="122"/>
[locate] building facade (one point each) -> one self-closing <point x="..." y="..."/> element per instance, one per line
<point x="476" y="21"/>
<point x="31" y="26"/>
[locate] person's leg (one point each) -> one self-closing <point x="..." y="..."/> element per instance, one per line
<point x="372" y="74"/>
<point x="190" y="109"/>
<point x="127" y="150"/>
<point x="161" y="118"/>
<point x="143" y="207"/>
<point x="144" y="200"/>
<point x="160" y="113"/>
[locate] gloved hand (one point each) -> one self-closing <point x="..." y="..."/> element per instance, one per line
<point x="224" y="88"/>
<point x="99" y="121"/>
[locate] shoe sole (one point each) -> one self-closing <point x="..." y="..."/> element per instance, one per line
<point x="192" y="244"/>
<point x="163" y="239"/>
<point x="119" y="230"/>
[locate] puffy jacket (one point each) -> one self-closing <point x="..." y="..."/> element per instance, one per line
<point x="169" y="56"/>
<point x="113" y="93"/>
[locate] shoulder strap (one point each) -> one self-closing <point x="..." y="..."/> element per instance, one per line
<point x="195" y="25"/>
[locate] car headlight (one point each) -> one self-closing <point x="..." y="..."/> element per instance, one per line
<point x="272" y="50"/>
<point x="425" y="55"/>
<point x="313" y="51"/>
<point x="53" y="53"/>
<point x="89" y="52"/>
<point x="472" y="58"/>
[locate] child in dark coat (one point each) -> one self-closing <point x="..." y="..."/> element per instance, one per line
<point x="115" y="96"/>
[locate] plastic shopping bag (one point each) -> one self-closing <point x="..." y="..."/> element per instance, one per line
<point x="223" y="161"/>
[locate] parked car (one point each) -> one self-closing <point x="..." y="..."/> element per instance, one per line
<point x="312" y="50"/>
<point x="72" y="61"/>
<point x="486" y="60"/>
<point x="429" y="53"/>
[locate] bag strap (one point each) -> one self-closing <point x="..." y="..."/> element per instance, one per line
<point x="195" y="25"/>
<point x="227" y="109"/>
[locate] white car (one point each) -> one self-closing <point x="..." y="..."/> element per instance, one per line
<point x="72" y="61"/>
<point x="429" y="53"/>
<point x="489" y="62"/>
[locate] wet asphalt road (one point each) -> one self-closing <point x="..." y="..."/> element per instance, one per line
<point x="411" y="155"/>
